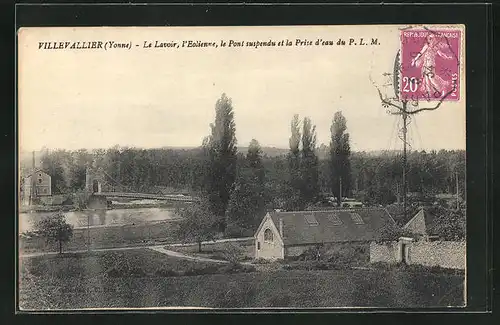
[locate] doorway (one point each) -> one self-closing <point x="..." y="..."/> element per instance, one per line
<point x="404" y="248"/>
<point x="95" y="186"/>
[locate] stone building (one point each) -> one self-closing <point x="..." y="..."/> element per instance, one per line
<point x="288" y="234"/>
<point x="42" y="183"/>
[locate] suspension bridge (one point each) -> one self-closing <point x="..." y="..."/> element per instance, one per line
<point x="147" y="196"/>
<point x="96" y="179"/>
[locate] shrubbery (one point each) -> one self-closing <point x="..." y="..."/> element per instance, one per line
<point x="232" y="253"/>
<point x="416" y="268"/>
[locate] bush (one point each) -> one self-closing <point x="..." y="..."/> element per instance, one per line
<point x="232" y="252"/>
<point x="163" y="272"/>
<point x="261" y="260"/>
<point x="416" y="268"/>
<point x="310" y="254"/>
<point x="237" y="268"/>
<point x="211" y="269"/>
<point x="117" y="272"/>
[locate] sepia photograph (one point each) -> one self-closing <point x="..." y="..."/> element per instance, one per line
<point x="236" y="168"/>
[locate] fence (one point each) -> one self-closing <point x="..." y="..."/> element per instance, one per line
<point x="445" y="254"/>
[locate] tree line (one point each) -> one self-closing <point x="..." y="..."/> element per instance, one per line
<point x="237" y="187"/>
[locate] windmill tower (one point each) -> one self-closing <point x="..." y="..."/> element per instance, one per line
<point x="405" y="109"/>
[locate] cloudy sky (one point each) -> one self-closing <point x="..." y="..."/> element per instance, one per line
<point x="148" y="98"/>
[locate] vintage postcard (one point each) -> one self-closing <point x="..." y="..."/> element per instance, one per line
<point x="241" y="167"/>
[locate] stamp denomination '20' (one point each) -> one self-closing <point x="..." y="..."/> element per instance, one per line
<point x="430" y="64"/>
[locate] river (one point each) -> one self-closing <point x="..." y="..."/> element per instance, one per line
<point x="95" y="218"/>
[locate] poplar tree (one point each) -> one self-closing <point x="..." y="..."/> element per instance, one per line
<point x="293" y="193"/>
<point x="340" y="151"/>
<point x="309" y="163"/>
<point x="221" y="159"/>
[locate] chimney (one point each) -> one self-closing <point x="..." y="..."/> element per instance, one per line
<point x="281" y="227"/>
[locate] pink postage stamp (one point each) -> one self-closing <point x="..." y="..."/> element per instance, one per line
<point x="430" y="64"/>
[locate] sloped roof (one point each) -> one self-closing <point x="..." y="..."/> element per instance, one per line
<point x="331" y="226"/>
<point x="397" y="213"/>
<point x="428" y="218"/>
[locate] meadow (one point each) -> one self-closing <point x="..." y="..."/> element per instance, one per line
<point x="106" y="237"/>
<point x="145" y="278"/>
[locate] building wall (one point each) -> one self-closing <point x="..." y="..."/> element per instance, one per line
<point x="43" y="183"/>
<point x="445" y="254"/>
<point x="417" y="225"/>
<point x="268" y="250"/>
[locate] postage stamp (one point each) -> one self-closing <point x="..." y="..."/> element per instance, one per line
<point x="430" y="64"/>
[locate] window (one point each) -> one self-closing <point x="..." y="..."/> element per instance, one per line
<point x="268" y="235"/>
<point x="258" y="245"/>
<point x="39" y="175"/>
<point x="311" y="220"/>
<point x="39" y="181"/>
<point x="356" y="218"/>
<point x="334" y="218"/>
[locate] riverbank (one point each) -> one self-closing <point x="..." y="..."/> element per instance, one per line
<point x="114" y="206"/>
<point x="106" y="237"/>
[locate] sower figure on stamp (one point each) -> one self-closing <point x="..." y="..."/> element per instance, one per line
<point x="432" y="83"/>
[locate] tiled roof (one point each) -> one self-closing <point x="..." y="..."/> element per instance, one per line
<point x="310" y="227"/>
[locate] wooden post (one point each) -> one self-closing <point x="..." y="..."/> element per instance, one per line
<point x="405" y="116"/>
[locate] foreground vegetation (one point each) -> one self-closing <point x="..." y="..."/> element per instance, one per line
<point x="144" y="278"/>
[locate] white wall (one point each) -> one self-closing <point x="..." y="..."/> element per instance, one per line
<point x="269" y="250"/>
<point x="439" y="253"/>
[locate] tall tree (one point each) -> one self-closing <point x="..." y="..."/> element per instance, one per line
<point x="52" y="164"/>
<point x="221" y="151"/>
<point x="309" y="164"/>
<point x="294" y="182"/>
<point x="340" y="151"/>
<point x="248" y="198"/>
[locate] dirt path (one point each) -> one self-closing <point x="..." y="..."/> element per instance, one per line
<point x="161" y="249"/>
<point x="157" y="248"/>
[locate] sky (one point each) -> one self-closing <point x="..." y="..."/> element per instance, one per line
<point x="152" y="97"/>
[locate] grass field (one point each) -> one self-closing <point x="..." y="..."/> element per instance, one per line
<point x="103" y="237"/>
<point x="144" y="278"/>
<point x="216" y="250"/>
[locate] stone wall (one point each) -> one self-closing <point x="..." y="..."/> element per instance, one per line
<point x="386" y="253"/>
<point x="445" y="254"/>
<point x="441" y="253"/>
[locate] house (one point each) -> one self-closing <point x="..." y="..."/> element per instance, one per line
<point x="288" y="234"/>
<point x="422" y="224"/>
<point x="42" y="186"/>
